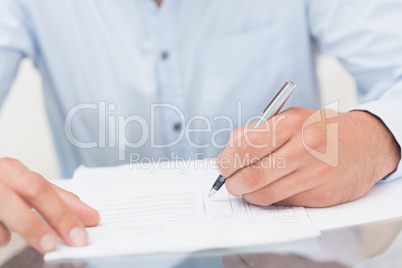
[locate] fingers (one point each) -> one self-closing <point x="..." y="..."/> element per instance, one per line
<point x="267" y="170"/>
<point x="46" y="201"/>
<point x="282" y="162"/>
<point x="5" y="235"/>
<point x="281" y="189"/>
<point x="16" y="213"/>
<point x="247" y="147"/>
<point x="38" y="193"/>
<point x="87" y="215"/>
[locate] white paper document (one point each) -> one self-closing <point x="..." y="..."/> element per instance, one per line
<point x="169" y="211"/>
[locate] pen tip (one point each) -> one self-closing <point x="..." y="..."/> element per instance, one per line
<point x="212" y="192"/>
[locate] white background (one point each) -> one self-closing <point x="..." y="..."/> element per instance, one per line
<point x="25" y="134"/>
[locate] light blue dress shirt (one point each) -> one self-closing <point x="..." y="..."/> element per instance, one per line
<point x="120" y="76"/>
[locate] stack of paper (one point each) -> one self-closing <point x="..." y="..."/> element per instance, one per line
<point x="169" y="211"/>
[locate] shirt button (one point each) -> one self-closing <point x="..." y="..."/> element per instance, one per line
<point x="164" y="55"/>
<point x="177" y="127"/>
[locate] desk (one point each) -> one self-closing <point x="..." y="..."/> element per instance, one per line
<point x="370" y="245"/>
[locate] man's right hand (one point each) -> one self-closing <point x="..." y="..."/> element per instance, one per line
<point x="64" y="215"/>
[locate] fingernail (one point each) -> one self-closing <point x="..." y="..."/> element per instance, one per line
<point x="48" y="242"/>
<point x="79" y="237"/>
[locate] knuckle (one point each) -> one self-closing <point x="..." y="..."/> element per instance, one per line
<point x="252" y="177"/>
<point x="252" y="140"/>
<point x="322" y="173"/>
<point x="68" y="195"/>
<point x="37" y="187"/>
<point x="73" y="195"/>
<point x="315" y="137"/>
<point x="65" y="219"/>
<point x="254" y="145"/>
<point x="7" y="163"/>
<point x="298" y="152"/>
<point x="245" y="155"/>
<point x="296" y="114"/>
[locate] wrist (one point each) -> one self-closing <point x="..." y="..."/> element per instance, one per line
<point x="377" y="135"/>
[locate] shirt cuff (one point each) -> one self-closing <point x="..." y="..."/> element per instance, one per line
<point x="389" y="111"/>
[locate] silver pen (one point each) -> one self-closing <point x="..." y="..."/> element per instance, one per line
<point x="272" y="109"/>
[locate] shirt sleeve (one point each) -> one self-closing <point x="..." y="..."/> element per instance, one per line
<point x="16" y="42"/>
<point x="366" y="36"/>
